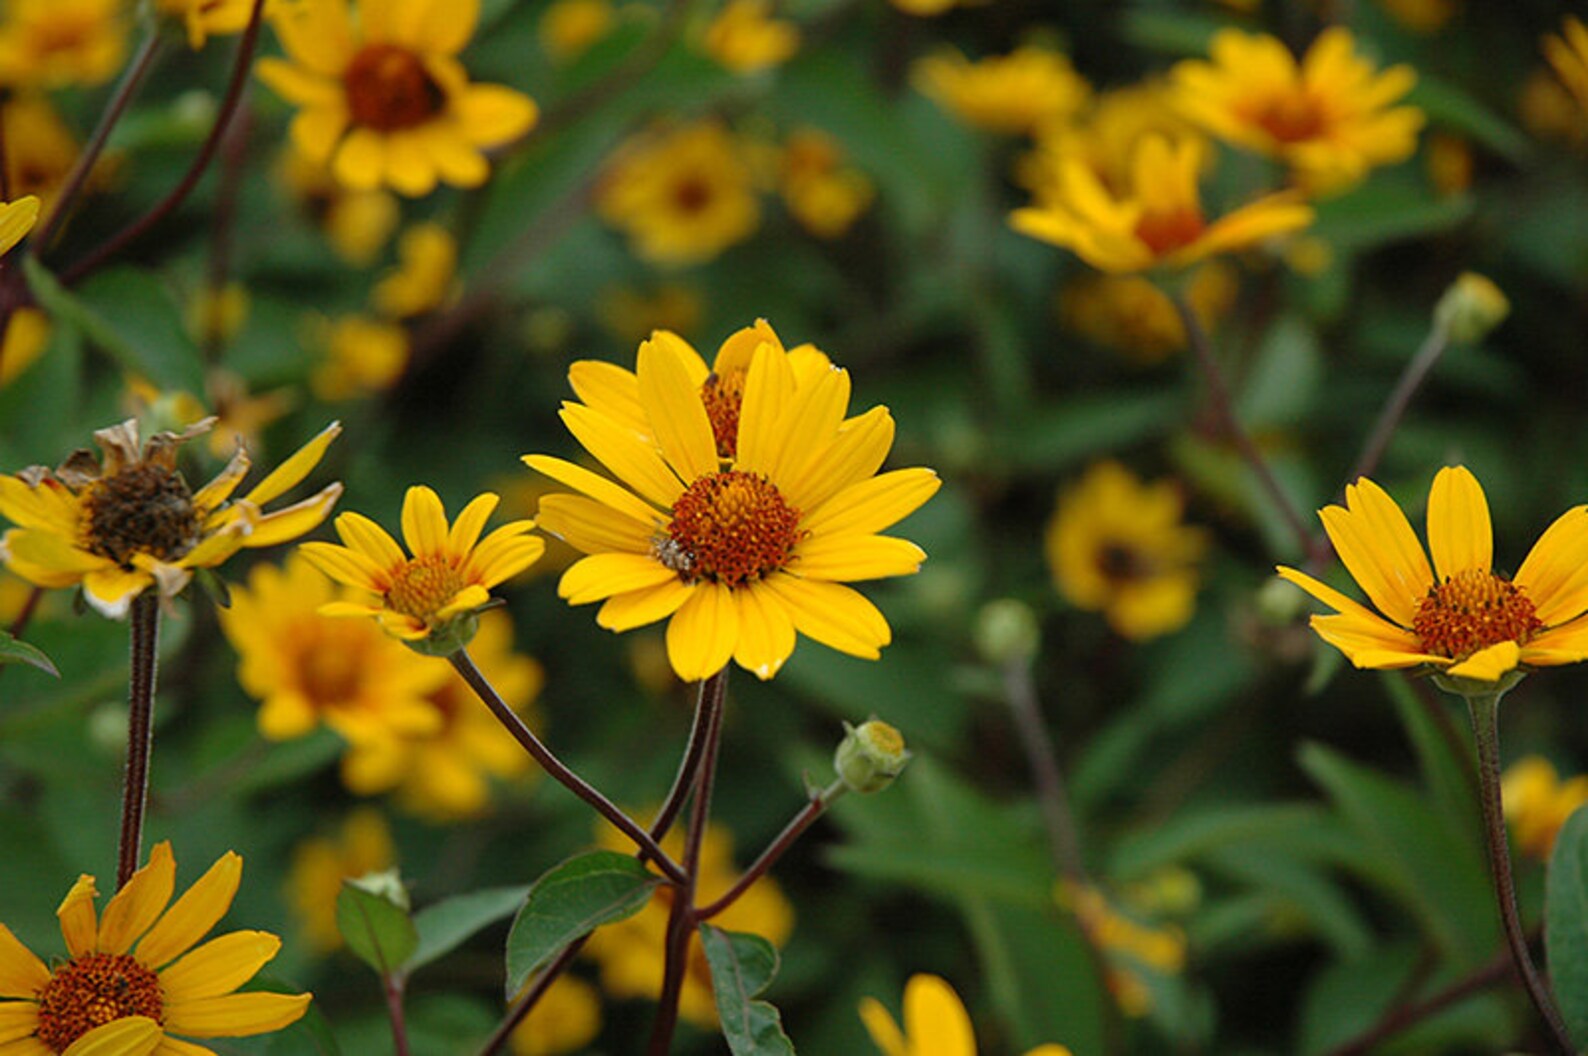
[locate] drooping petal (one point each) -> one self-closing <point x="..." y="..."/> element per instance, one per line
<point x="219" y="966"/>
<point x="1460" y="534"/>
<point x="221" y="486"/>
<point x="289" y="522"/>
<point x="79" y="920"/>
<point x="236" y="1015"/>
<point x="703" y="632"/>
<point x="197" y="911"/>
<point x="133" y="909"/>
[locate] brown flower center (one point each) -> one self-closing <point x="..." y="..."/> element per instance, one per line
<point x="1291" y="118"/>
<point x="93" y="990"/>
<point x="691" y="195"/>
<point x="423" y="585"/>
<point x="1471" y="611"/>
<point x="1166" y="232"/>
<point x="388" y="89"/>
<point x="723" y="395"/>
<point x="1121" y="564"/>
<point x="730" y="527"/>
<point x="332" y="666"/>
<point x="145" y="509"/>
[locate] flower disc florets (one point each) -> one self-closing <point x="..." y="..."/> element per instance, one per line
<point x="729" y="528"/>
<point x="93" y="990"/>
<point x="146" y="508"/>
<point x="723" y="395"/>
<point x="1473" y="610"/>
<point x="388" y="89"/>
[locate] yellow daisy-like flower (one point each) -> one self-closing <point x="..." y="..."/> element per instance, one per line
<point x="1017" y="93"/>
<point x="362" y="356"/>
<point x="52" y="44"/>
<point x="40" y="149"/>
<point x="738" y="551"/>
<point x="1456" y="615"/>
<point x="568" y="28"/>
<point x="1537" y="803"/>
<point x="821" y="192"/>
<point x="632" y="314"/>
<point x="935" y="1023"/>
<point x="448" y="577"/>
<point x="1159" y="221"/>
<point x="385" y="101"/>
<point x="1133" y="316"/>
<point x="682" y="195"/>
<point x="745" y="38"/>
<point x="362" y="844"/>
<point x="16" y="220"/>
<point x="128" y="521"/>
<point x="1422" y="16"/>
<point x="426" y="276"/>
<point x="567" y="1018"/>
<point x="139" y="960"/>
<point x="1329" y="116"/>
<point x="356" y="223"/>
<point x="1119" y="547"/>
<point x="1568" y="54"/>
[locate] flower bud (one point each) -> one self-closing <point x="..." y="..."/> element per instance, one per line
<point x="1006" y="631"/>
<point x="870" y="756"/>
<point x="1471" y="307"/>
<point x="1280" y="603"/>
<point x="386" y="884"/>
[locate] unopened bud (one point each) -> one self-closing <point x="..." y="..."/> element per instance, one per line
<point x="386" y="884"/>
<point x="870" y="756"/>
<point x="1279" y="602"/>
<point x="447" y="638"/>
<point x="1471" y="307"/>
<point x="1006" y="630"/>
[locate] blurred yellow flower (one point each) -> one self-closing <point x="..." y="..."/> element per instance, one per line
<point x="1328" y="117"/>
<point x="1158" y="222"/>
<point x="630" y="314"/>
<point x="215" y="316"/>
<point x="737" y="552"/>
<point x="745" y="38"/>
<point x="16" y="220"/>
<point x="52" y="44"/>
<point x="821" y="192"/>
<point x="362" y="357"/>
<point x="357" y="223"/>
<point x="239" y="418"/>
<point x="1019" y="93"/>
<point x="426" y="275"/>
<point x="1549" y="111"/>
<point x="362" y="844"/>
<point x="1119" y="547"/>
<point x="1456" y="615"/>
<point x="568" y="28"/>
<point x="40" y="149"/>
<point x="128" y="521"/>
<point x="935" y="1023"/>
<point x="565" y="1019"/>
<point x="681" y="195"/>
<point x="1132" y="316"/>
<point x="630" y="952"/>
<point x="26" y="337"/>
<point x="1537" y="803"/>
<point x="384" y="100"/>
<point x="446" y="580"/>
<point x="1421" y="16"/>
<point x="1568" y="54"/>
<point x="1103" y="137"/>
<point x="1129" y="947"/>
<point x="203" y="18"/>
<point x="139" y="961"/>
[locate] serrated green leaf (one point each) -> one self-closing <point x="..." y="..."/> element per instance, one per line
<point x="575" y="897"/>
<point x="16" y="651"/>
<point x="445" y="925"/>
<point x="378" y="931"/>
<point x="741" y="967"/>
<point x="1566" y="923"/>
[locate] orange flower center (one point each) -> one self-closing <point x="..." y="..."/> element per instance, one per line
<point x="1290" y="118"/>
<point x="1471" y="611"/>
<point x="691" y="195"/>
<point x="723" y="394"/>
<point x="1164" y="233"/>
<point x="143" y="509"/>
<point x="88" y="992"/>
<point x="388" y="89"/>
<point x="423" y="585"/>
<point x="332" y="666"/>
<point x="1121" y="564"/>
<point x="730" y="528"/>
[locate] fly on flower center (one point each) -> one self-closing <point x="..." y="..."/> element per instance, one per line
<point x="1471" y="611"/>
<point x="729" y="528"/>
<point x="144" y="509"/>
<point x="93" y="990"/>
<point x="389" y="89"/>
<point x="421" y="586"/>
<point x="1165" y="232"/>
<point x="723" y="395"/>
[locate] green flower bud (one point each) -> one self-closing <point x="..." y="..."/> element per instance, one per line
<point x="1279" y="603"/>
<point x="447" y="638"/>
<point x="1006" y="631"/>
<point x="870" y="756"/>
<point x="1471" y="307"/>
<point x="387" y="884"/>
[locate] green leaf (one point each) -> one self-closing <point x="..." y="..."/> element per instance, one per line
<point x="1381" y="213"/>
<point x="1446" y="768"/>
<point x="1066" y="431"/>
<point x="378" y="930"/>
<point x="741" y="967"/>
<point x="131" y="315"/>
<point x="16" y="651"/>
<point x="444" y="926"/>
<point x="1447" y="105"/>
<point x="575" y="897"/>
<point x="1283" y="383"/>
<point x="1566" y="923"/>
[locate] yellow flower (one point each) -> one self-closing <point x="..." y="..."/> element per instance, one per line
<point x="363" y="356"/>
<point x="1158" y="222"/>
<point x="201" y="18"/>
<point x="821" y="192"/>
<point x="1328" y="117"/>
<point x="129" y="521"/>
<point x="740" y="514"/>
<point x="54" y="44"/>
<point x="1128" y="946"/>
<point x="1133" y="316"/>
<point x="568" y="28"/>
<point x="1548" y="110"/>
<point x="1568" y="54"/>
<point x="26" y="337"/>
<point x="631" y="314"/>
<point x="1537" y="803"/>
<point x="1117" y="546"/>
<point x="448" y="577"/>
<point x="363" y="844"/>
<point x="40" y="149"/>
<point x="1421" y="16"/>
<point x="306" y="669"/>
<point x="357" y="223"/>
<point x="681" y="195"/>
<point x="935" y="1023"/>
<point x="385" y="101"/>
<point x="426" y="277"/>
<point x="139" y="959"/>
<point x="630" y="952"/>
<point x="1017" y="93"/>
<point x="565" y="1019"/>
<point x="216" y="315"/>
<point x="745" y="38"/>
<point x="1457" y="615"/>
<point x="16" y="220"/>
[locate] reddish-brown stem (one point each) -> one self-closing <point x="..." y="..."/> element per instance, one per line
<point x="395" y="984"/>
<point x="537" y="989"/>
<point x="1401" y="1017"/>
<point x="814" y="808"/>
<point x="144" y="627"/>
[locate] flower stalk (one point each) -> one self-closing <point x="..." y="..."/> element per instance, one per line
<point x="814" y="808"/>
<point x="144" y="625"/>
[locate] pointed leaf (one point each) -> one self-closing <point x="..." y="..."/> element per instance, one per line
<point x="575" y="897"/>
<point x="16" y="651"/>
<point x="449" y="923"/>
<point x="741" y="967"/>
<point x="1566" y="923"/>
<point x="378" y="930"/>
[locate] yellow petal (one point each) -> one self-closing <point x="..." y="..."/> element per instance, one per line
<point x="19" y="1019"/>
<point x="139" y="904"/>
<point x="370" y="540"/>
<point x="360" y="159"/>
<point x="492" y="115"/>
<point x="235" y="1015"/>
<point x="193" y="914"/>
<point x="854" y="455"/>
<point x="220" y="488"/>
<point x="835" y="615"/>
<point x="1459" y="531"/>
<point x="600" y="576"/>
<point x="1555" y="573"/>
<point x="424" y="522"/>
<point x="409" y="168"/>
<point x="466" y="529"/>
<point x="346" y="566"/>
<point x="504" y="553"/>
<point x="809" y="423"/>
<point x="447" y="25"/>
<point x="624" y="612"/>
<point x="79" y="921"/>
<point x="1342" y="604"/>
<point x="608" y="388"/>
<point x="884" y="1031"/>
<point x="703" y="632"/>
<point x="286" y="523"/>
<point x="590" y="527"/>
<point x="16" y="220"/>
<point x="768" y="389"/>
<point x="852" y="557"/>
<point x="22" y="974"/>
<point x="1360" y="640"/>
<point x="676" y="413"/>
<point x="766" y="633"/>
<point x="932" y="1010"/>
<point x="287" y="475"/>
<point x="127" y="1036"/>
<point x="1487" y="665"/>
<point x="873" y="504"/>
<point x="630" y="457"/>
<point x="218" y="966"/>
<point x="598" y="488"/>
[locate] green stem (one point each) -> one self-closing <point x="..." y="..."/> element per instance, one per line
<point x="1485" y="711"/>
<point x="144" y="625"/>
